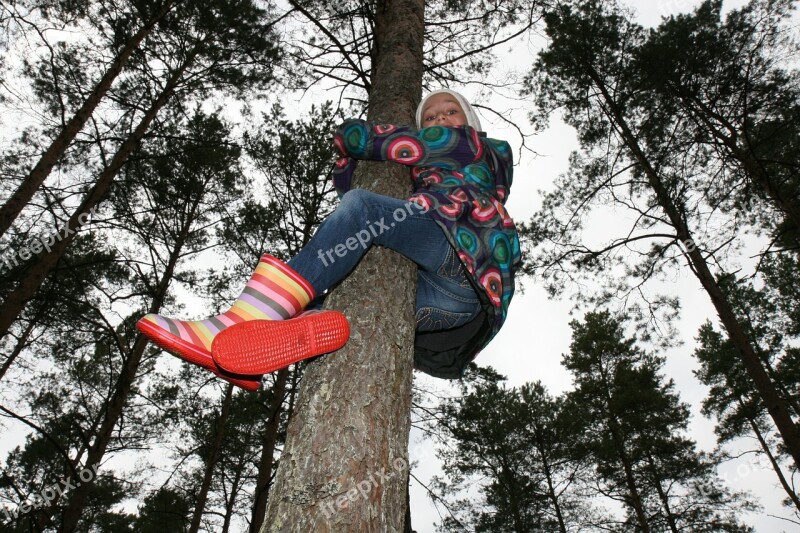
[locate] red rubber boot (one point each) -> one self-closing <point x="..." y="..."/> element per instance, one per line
<point x="275" y="292"/>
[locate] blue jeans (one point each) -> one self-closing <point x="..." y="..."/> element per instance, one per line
<point x="445" y="297"/>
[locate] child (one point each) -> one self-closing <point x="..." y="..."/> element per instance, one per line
<point x="454" y="227"/>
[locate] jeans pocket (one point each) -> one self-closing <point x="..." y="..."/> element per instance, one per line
<point x="452" y="269"/>
<point x="434" y="319"/>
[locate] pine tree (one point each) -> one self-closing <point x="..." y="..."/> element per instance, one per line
<point x="741" y="98"/>
<point x="296" y="504"/>
<point x="378" y="48"/>
<point x="632" y="425"/>
<point x="150" y="14"/>
<point x="201" y="171"/>
<point x="516" y="441"/>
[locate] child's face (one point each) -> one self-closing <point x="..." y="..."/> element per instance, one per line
<point x="443" y="110"/>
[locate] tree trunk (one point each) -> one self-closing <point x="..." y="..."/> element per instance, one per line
<point x="775" y="404"/>
<point x="635" y="499"/>
<point x="613" y="426"/>
<point x="508" y="482"/>
<point x="216" y="446"/>
<point x="551" y="489"/>
<point x="268" y="451"/>
<point x="231" y="502"/>
<point x="407" y="521"/>
<point x="21" y="343"/>
<point x="673" y="525"/>
<point x="775" y="466"/>
<point x="14" y="205"/>
<point x="47" y="260"/>
<point x="344" y="465"/>
<point x="633" y="491"/>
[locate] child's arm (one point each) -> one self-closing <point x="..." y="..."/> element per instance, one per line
<point x="436" y="146"/>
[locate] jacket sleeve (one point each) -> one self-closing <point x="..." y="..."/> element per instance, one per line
<point x="342" y="174"/>
<point x="436" y="146"/>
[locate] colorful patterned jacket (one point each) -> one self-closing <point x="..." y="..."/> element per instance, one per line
<point x="463" y="179"/>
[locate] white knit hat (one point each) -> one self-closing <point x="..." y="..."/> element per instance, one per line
<point x="472" y="117"/>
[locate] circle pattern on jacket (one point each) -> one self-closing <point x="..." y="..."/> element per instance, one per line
<point x="439" y="139"/>
<point x="501" y="249"/>
<point x="475" y="143"/>
<point x="404" y="149"/>
<point x="355" y="140"/>
<point x="493" y="284"/>
<point x="468" y="240"/>
<point x="383" y="129"/>
<point x="480" y="176"/>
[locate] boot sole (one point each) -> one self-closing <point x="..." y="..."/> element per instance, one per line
<point x="264" y="346"/>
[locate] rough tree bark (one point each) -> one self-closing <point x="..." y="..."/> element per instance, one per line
<point x="344" y="465"/>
